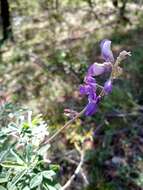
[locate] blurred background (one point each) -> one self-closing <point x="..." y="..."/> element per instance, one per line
<point x="46" y="47"/>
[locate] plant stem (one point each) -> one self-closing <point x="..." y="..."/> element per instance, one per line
<point x="65" y="126"/>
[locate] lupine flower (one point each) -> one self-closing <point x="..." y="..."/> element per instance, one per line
<point x="97" y="69"/>
<point x="92" y="106"/>
<point x="108" y="87"/>
<point x="92" y="95"/>
<point x="84" y="89"/>
<point x="91" y="109"/>
<point x="106" y="52"/>
<point x="89" y="88"/>
<point x="89" y="80"/>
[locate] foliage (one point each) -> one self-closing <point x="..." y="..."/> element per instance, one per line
<point x="24" y="160"/>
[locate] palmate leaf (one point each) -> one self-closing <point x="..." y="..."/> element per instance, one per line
<point x="36" y="180"/>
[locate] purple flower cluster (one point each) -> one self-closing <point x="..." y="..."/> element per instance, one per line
<point x="96" y="69"/>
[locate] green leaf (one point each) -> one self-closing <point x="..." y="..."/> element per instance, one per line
<point x="2" y="188"/>
<point x="58" y="186"/>
<point x="26" y="188"/>
<point x="54" y="167"/>
<point x="3" y="178"/>
<point x="18" y="176"/>
<point x="36" y="120"/>
<point x="26" y="125"/>
<point x="48" y="174"/>
<point x="17" y="157"/>
<point x="43" y="149"/>
<point x="4" y="154"/>
<point x="37" y="180"/>
<point x="50" y="187"/>
<point x="10" y="164"/>
<point x="29" y="152"/>
<point x="10" y="186"/>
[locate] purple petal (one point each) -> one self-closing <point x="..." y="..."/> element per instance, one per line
<point x="91" y="108"/>
<point x="84" y="89"/>
<point x="108" y="87"/>
<point x="90" y="80"/>
<point x="92" y="95"/>
<point x="88" y="90"/>
<point x="106" y="52"/>
<point x="97" y="69"/>
<point x="102" y="43"/>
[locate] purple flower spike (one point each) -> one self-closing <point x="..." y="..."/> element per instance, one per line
<point x="106" y="52"/>
<point x="97" y="69"/>
<point x="89" y="87"/>
<point x="108" y="87"/>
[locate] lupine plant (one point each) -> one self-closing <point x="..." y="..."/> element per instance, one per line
<point x="96" y="69"/>
<point x="24" y="163"/>
<point x="25" y="141"/>
<point x="110" y="65"/>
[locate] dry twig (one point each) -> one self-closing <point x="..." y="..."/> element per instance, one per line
<point x="78" y="169"/>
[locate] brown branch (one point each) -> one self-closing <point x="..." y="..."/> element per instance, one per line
<point x="72" y="161"/>
<point x="78" y="169"/>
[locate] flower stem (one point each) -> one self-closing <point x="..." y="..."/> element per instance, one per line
<point x="65" y="126"/>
